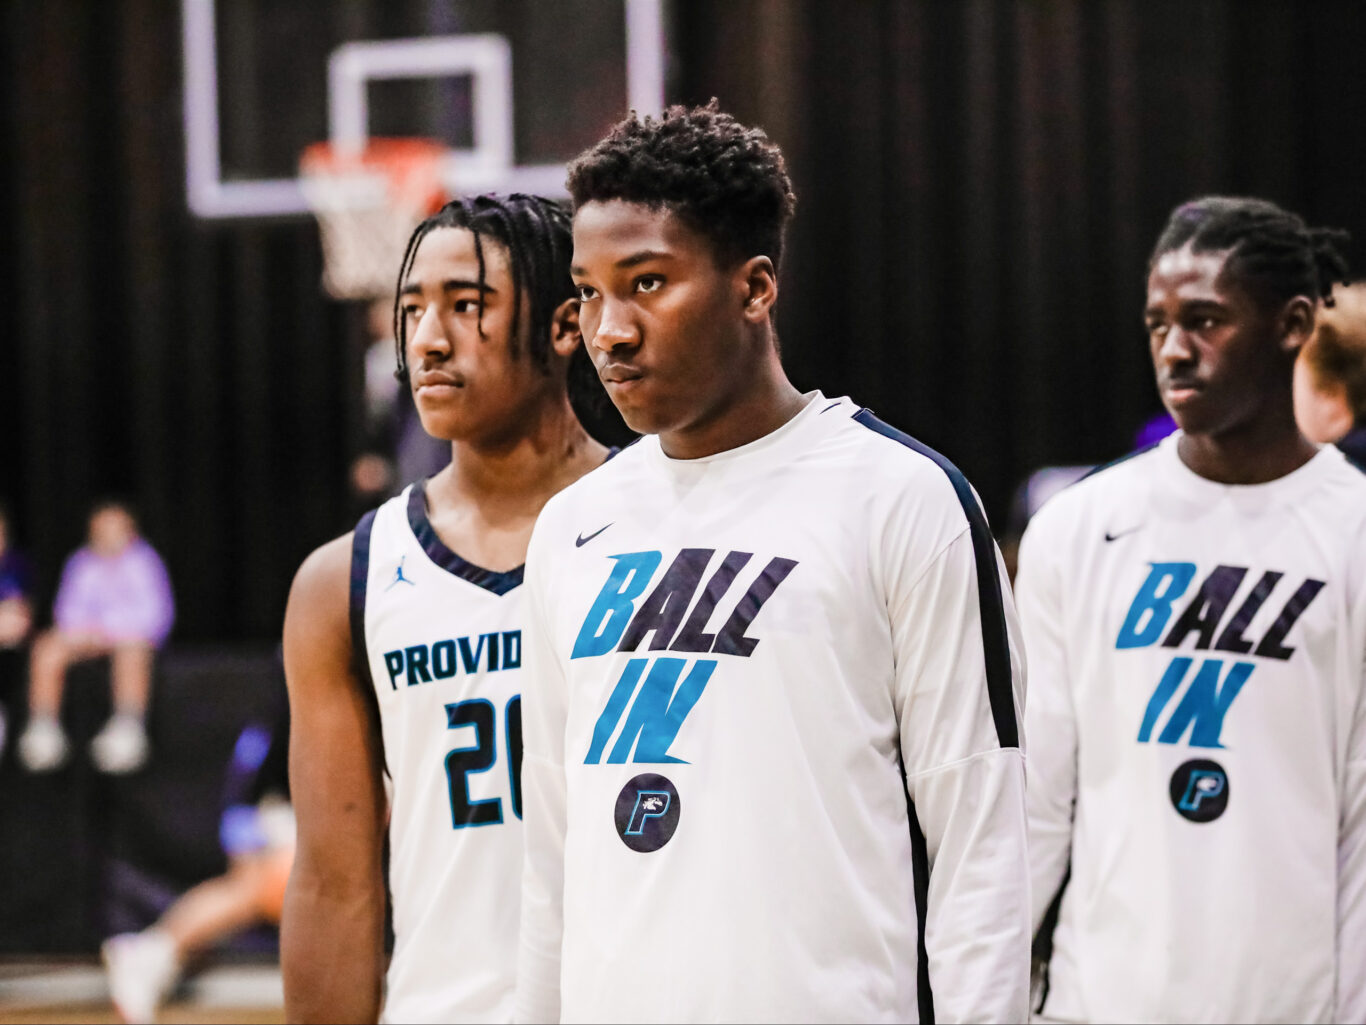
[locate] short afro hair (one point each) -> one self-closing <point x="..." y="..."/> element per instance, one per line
<point x="727" y="182"/>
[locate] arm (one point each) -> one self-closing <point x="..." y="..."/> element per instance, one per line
<point x="960" y="685"/>
<point x="1351" y="924"/>
<point x="332" y="933"/>
<point x="1050" y="722"/>
<point x="544" y="709"/>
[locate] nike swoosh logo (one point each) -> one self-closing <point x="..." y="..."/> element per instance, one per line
<point x="1116" y="537"/>
<point x="584" y="540"/>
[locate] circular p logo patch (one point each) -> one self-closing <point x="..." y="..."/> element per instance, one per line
<point x="1199" y="790"/>
<point x="647" y="812"/>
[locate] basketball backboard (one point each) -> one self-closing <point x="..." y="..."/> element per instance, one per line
<point x="514" y="87"/>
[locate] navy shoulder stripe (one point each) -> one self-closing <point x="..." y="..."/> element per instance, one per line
<point x="991" y="606"/>
<point x="360" y="573"/>
<point x="1115" y="462"/>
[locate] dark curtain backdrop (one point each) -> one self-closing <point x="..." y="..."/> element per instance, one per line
<point x="979" y="184"/>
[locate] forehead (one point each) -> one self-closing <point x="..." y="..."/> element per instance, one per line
<point x="1185" y="274"/>
<point x="445" y="254"/>
<point x="617" y="229"/>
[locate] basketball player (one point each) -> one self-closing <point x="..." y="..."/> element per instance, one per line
<point x="1195" y="617"/>
<point x="403" y="641"/>
<point x="773" y="769"/>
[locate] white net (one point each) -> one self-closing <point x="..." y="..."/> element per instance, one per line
<point x="367" y="205"/>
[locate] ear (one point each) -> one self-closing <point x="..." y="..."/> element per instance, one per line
<point x="565" y="335"/>
<point x="757" y="284"/>
<point x="1297" y="323"/>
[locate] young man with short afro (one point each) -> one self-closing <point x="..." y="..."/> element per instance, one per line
<point x="772" y="761"/>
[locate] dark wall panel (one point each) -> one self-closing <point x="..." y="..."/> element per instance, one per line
<point x="979" y="183"/>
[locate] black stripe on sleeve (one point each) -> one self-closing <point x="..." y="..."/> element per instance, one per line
<point x="920" y="869"/>
<point x="991" y="607"/>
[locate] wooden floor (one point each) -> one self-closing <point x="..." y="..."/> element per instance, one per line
<point x="73" y="990"/>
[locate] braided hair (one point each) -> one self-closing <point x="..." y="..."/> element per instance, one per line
<point x="729" y="183"/>
<point x="535" y="232"/>
<point x="1271" y="251"/>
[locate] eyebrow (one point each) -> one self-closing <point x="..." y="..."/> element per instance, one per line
<point x="450" y="285"/>
<point x="626" y="262"/>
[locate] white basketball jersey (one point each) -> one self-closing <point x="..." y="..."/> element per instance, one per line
<point x="443" y="643"/>
<point x="1197" y="739"/>
<point x="773" y="770"/>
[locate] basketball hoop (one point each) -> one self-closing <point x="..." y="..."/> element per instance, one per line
<point x="367" y="204"/>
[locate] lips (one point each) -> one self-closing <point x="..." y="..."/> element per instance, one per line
<point x="1181" y="387"/>
<point x="432" y="381"/>
<point x="620" y="373"/>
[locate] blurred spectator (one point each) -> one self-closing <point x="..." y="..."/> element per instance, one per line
<point x="396" y="448"/>
<point x="1330" y="375"/>
<point x="16" y="613"/>
<point x="257" y="834"/>
<point x="114" y="600"/>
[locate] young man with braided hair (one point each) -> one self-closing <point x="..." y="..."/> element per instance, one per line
<point x="1195" y="617"/>
<point x="773" y="770"/>
<point x="403" y="641"/>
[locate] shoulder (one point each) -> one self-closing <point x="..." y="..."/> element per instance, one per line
<point x="906" y="479"/>
<point x="600" y="487"/>
<point x="321" y="592"/>
<point x="1098" y="496"/>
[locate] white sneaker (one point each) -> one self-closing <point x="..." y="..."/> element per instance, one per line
<point x="121" y="747"/>
<point x="142" y="970"/>
<point x="43" y="746"/>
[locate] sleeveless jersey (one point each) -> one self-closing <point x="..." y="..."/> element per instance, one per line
<point x="442" y="641"/>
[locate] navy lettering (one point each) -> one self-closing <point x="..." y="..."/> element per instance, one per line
<point x="1208" y="606"/>
<point x="691" y="637"/>
<point x="443" y="659"/>
<point x="663" y="610"/>
<point x="393" y="662"/>
<point x="1232" y="638"/>
<point x="1271" y="646"/>
<point x="416" y="658"/>
<point x="732" y="640"/>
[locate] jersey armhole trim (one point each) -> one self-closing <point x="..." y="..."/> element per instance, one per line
<point x="494" y="581"/>
<point x="360" y="654"/>
<point x="991" y="605"/>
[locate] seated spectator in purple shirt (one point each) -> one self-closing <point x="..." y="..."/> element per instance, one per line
<point x="16" y="612"/>
<point x="114" y="600"/>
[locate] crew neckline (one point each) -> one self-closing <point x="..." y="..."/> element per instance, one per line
<point x="762" y="443"/>
<point x="1296" y="482"/>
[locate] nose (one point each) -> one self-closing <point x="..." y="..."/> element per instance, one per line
<point x="1175" y="348"/>
<point x="616" y="327"/>
<point x="428" y="339"/>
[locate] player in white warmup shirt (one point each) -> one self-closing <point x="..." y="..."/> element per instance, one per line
<point x="404" y="641"/>
<point x="773" y="769"/>
<point x="1195" y="617"/>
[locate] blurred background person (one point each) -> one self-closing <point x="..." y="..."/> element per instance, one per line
<point x="16" y="616"/>
<point x="1330" y="375"/>
<point x="257" y="835"/>
<point x="114" y="601"/>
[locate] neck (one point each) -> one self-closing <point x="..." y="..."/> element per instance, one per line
<point x="511" y="472"/>
<point x="768" y="400"/>
<point x="1263" y="450"/>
